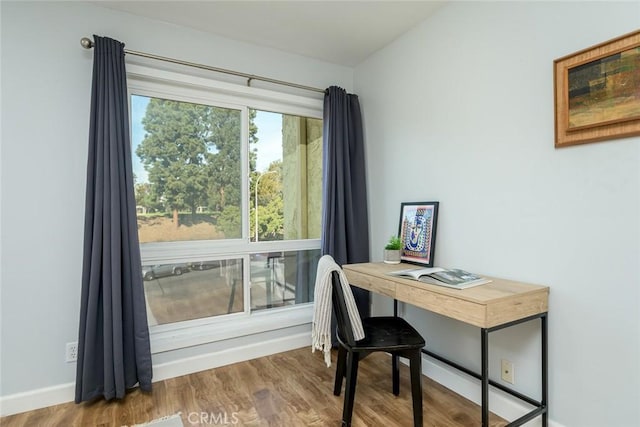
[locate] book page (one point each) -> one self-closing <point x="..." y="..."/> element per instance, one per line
<point x="416" y="272"/>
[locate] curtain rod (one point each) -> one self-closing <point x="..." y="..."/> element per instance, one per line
<point x="88" y="44"/>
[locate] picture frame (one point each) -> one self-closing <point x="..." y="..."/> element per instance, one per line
<point x="597" y="92"/>
<point x="417" y="232"/>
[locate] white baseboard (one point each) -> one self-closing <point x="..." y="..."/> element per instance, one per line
<point x="500" y="403"/>
<point x="64" y="393"/>
<point x="36" y="399"/>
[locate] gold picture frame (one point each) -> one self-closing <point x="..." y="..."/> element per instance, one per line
<point x="597" y="92"/>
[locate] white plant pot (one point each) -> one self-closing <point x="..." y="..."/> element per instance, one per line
<point x="391" y="256"/>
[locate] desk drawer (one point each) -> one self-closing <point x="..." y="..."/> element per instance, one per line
<point x="371" y="283"/>
<point x="455" y="308"/>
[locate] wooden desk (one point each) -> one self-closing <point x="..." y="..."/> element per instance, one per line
<point x="494" y="306"/>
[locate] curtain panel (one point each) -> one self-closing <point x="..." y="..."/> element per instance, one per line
<point x="345" y="221"/>
<point x="113" y="341"/>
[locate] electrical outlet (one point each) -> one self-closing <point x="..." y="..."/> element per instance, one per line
<point x="507" y="373"/>
<point x="71" y="354"/>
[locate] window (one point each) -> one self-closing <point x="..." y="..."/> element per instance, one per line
<point x="290" y="157"/>
<point x="228" y="193"/>
<point x="282" y="278"/>
<point x="195" y="290"/>
<point x="187" y="165"/>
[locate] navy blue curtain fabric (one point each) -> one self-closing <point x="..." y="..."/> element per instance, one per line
<point x="345" y="221"/>
<point x="113" y="341"/>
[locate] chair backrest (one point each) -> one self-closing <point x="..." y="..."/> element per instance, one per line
<point x="345" y="330"/>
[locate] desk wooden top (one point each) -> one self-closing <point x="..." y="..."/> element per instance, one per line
<point x="485" y="306"/>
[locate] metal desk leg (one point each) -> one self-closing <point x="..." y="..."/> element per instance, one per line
<point x="541" y="406"/>
<point x="484" y="374"/>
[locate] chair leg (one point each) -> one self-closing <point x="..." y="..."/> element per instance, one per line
<point x="350" y="387"/>
<point x="395" y="374"/>
<point x="340" y="367"/>
<point x="416" y="387"/>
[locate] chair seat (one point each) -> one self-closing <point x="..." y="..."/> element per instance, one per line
<point x="386" y="334"/>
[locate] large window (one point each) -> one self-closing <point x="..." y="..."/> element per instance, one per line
<point x="228" y="195"/>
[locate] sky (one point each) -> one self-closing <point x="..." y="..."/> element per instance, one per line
<point x="269" y="134"/>
<point x="138" y="108"/>
<point x="269" y="146"/>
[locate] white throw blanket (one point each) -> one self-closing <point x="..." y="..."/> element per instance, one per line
<point x="322" y="307"/>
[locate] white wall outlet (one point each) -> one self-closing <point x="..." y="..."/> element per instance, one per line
<point x="507" y="373"/>
<point x="71" y="354"/>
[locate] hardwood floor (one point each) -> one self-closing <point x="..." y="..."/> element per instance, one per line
<point x="294" y="388"/>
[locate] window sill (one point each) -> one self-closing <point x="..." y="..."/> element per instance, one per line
<point x="231" y="326"/>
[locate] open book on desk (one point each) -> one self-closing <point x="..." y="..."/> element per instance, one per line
<point x="451" y="278"/>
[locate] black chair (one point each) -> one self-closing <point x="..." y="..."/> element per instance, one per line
<point x="388" y="334"/>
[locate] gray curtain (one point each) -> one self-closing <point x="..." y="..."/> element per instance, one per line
<point x="345" y="221"/>
<point x="113" y="341"/>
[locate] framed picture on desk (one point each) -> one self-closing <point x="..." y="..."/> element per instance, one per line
<point x="417" y="231"/>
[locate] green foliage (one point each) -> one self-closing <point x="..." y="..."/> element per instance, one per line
<point x="394" y="243"/>
<point x="174" y="150"/>
<point x="270" y="203"/>
<point x="145" y="197"/>
<point x="223" y="159"/>
<point x="253" y="139"/>
<point x="192" y="154"/>
<point x="230" y="222"/>
<point x="154" y="215"/>
<point x="270" y="219"/>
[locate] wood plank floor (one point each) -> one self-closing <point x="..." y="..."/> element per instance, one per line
<point x="294" y="388"/>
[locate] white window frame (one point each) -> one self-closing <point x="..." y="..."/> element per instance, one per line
<point x="153" y="82"/>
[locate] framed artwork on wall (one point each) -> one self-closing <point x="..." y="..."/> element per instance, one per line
<point x="417" y="231"/>
<point x="597" y="92"/>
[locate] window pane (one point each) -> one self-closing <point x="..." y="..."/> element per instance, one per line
<point x="187" y="167"/>
<point x="283" y="278"/>
<point x="178" y="292"/>
<point x="286" y="182"/>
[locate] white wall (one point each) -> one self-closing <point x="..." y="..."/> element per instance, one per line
<point x="46" y="78"/>
<point x="460" y="110"/>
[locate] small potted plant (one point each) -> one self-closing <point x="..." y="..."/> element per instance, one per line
<point x="392" y="250"/>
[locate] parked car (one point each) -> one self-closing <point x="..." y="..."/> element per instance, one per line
<point x="204" y="265"/>
<point x="150" y="272"/>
